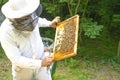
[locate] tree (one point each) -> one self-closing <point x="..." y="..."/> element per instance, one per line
<point x="68" y="8"/>
<point x="115" y="30"/>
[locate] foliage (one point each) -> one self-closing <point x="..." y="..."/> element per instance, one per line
<point x="115" y="61"/>
<point x="63" y="8"/>
<point x="114" y="28"/>
<point x="91" y="29"/>
<point x="2" y="2"/>
<point x="47" y="32"/>
<point x="2" y="55"/>
<point x="51" y="6"/>
<point x="71" y="62"/>
<point x="85" y="70"/>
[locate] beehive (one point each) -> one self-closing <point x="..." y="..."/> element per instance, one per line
<point x="66" y="38"/>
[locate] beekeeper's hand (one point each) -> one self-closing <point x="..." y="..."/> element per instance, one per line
<point x="55" y="22"/>
<point x="47" y="61"/>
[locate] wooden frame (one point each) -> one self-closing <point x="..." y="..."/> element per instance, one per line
<point x="73" y="51"/>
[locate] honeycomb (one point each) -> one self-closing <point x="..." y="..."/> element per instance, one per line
<point x="66" y="38"/>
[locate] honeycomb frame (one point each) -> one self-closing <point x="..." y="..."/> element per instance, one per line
<point x="59" y="54"/>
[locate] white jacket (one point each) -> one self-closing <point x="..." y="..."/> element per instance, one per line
<point x="24" y="49"/>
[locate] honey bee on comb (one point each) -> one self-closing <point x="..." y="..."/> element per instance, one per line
<point x="66" y="38"/>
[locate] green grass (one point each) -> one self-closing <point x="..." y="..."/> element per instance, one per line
<point x="5" y="69"/>
<point x="96" y="60"/>
<point x="86" y="70"/>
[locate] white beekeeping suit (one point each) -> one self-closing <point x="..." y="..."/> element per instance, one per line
<point x="24" y="48"/>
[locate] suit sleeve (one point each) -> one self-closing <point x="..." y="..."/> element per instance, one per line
<point x="15" y="57"/>
<point x="42" y="22"/>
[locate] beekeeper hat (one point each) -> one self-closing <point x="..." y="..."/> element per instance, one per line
<point x="20" y="8"/>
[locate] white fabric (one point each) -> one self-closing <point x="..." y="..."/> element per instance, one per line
<point x="28" y="74"/>
<point x="19" y="8"/>
<point x="24" y="49"/>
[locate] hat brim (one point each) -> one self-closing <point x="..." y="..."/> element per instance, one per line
<point x="10" y="13"/>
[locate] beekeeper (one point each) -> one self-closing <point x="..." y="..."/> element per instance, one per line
<point x="21" y="40"/>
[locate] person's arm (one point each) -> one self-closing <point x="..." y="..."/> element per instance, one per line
<point x="42" y="22"/>
<point x="15" y="57"/>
